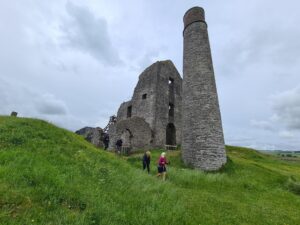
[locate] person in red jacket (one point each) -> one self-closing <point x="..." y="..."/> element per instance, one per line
<point x="162" y="169"/>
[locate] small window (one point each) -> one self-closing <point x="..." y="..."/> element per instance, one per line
<point x="129" y="110"/>
<point x="171" y="80"/>
<point x="144" y="96"/>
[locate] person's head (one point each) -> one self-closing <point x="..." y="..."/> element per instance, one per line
<point x="148" y="153"/>
<point x="163" y="154"/>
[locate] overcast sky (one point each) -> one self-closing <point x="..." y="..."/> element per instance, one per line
<point x="74" y="62"/>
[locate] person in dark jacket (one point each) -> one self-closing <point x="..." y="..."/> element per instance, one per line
<point x="146" y="161"/>
<point x="119" y="144"/>
<point x="106" y="141"/>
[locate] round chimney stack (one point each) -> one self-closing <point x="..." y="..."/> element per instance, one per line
<point x="202" y="133"/>
<point x="195" y="14"/>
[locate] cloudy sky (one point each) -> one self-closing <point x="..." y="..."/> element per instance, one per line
<point x="73" y="62"/>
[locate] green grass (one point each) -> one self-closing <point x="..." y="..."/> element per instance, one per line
<point x="51" y="176"/>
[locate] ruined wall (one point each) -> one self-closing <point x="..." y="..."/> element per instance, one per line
<point x="122" y="112"/>
<point x="162" y="102"/>
<point x="112" y="136"/>
<point x="137" y="130"/>
<point x="151" y="99"/>
<point x="92" y="135"/>
<point x="167" y="93"/>
<point x="144" y="96"/>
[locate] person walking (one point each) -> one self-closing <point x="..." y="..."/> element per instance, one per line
<point x="106" y="141"/>
<point x="146" y="161"/>
<point x="119" y="144"/>
<point x="162" y="169"/>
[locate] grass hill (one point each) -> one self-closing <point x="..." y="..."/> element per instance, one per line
<point x="51" y="176"/>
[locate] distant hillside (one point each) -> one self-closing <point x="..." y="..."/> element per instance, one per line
<point x="51" y="176"/>
<point x="284" y="155"/>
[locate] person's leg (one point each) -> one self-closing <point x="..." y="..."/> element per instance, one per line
<point x="148" y="167"/>
<point x="159" y="168"/>
<point x="144" y="165"/>
<point x="164" y="176"/>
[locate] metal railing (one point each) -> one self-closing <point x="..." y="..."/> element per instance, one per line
<point x="170" y="147"/>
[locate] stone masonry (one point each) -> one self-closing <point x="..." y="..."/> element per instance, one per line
<point x="152" y="118"/>
<point x="202" y="133"/>
<point x="93" y="135"/>
<point x="167" y="111"/>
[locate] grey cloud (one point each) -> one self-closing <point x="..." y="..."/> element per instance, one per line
<point x="14" y="97"/>
<point x="147" y="59"/>
<point x="262" y="124"/>
<point x="47" y="104"/>
<point x="89" y="34"/>
<point x="286" y="134"/>
<point x="286" y="106"/>
<point x="30" y="103"/>
<point x="274" y="44"/>
<point x="270" y="45"/>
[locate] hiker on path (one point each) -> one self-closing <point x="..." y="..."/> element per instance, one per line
<point x="146" y="161"/>
<point x="119" y="145"/>
<point x="162" y="169"/>
<point x="106" y="141"/>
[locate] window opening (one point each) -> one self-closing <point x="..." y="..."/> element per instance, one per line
<point x="170" y="134"/>
<point x="129" y="111"/>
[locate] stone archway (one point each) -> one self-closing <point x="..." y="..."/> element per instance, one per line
<point x="126" y="137"/>
<point x="136" y="131"/>
<point x="170" y="134"/>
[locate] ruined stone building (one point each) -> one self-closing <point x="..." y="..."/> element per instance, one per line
<point x="152" y="118"/>
<point x="166" y="110"/>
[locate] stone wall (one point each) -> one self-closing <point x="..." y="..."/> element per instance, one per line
<point x="122" y="112"/>
<point x="162" y="103"/>
<point x="202" y="133"/>
<point x="93" y="135"/>
<point x="150" y="101"/>
<point x="135" y="132"/>
<point x="167" y="93"/>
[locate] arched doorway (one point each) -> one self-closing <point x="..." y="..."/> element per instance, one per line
<point x="171" y="134"/>
<point x="126" y="137"/>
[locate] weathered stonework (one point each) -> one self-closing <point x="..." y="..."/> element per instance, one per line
<point x="157" y="101"/>
<point x="159" y="114"/>
<point x="202" y="133"/>
<point x="135" y="132"/>
<point x="93" y="135"/>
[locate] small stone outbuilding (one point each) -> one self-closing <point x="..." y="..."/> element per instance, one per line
<point x="92" y="135"/>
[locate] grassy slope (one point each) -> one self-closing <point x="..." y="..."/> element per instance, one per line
<point x="52" y="176"/>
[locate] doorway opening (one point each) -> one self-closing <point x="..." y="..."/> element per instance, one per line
<point x="171" y="134"/>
